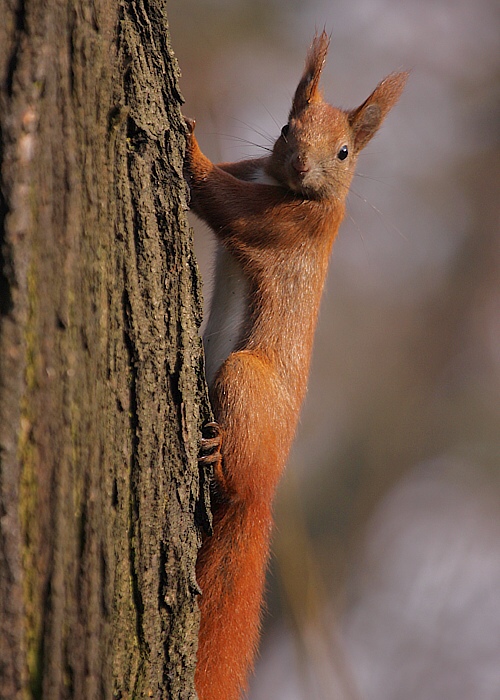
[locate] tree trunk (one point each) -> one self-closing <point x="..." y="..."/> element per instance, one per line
<point x="101" y="384"/>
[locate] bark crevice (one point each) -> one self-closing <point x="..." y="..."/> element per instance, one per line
<point x="101" y="384"/>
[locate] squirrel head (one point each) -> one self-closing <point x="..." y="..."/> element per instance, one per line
<point x="317" y="150"/>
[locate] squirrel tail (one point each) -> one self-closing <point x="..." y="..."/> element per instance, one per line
<point x="231" y="571"/>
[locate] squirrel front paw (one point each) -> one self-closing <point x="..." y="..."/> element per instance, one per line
<point x="193" y="159"/>
<point x="196" y="165"/>
<point x="190" y="124"/>
<point x="189" y="154"/>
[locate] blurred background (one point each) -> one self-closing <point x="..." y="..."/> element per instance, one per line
<point x="385" y="577"/>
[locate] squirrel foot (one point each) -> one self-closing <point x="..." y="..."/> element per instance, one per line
<point x="211" y="440"/>
<point x="210" y="454"/>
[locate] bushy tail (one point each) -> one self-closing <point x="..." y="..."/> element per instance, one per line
<point x="231" y="573"/>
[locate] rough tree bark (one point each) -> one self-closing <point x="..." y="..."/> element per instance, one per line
<point x="101" y="385"/>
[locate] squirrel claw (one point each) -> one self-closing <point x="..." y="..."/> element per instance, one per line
<point x="211" y="440"/>
<point x="212" y="428"/>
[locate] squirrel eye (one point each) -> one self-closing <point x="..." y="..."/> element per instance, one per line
<point x="343" y="153"/>
<point x="284" y="130"/>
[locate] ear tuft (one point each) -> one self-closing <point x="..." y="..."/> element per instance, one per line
<point x="307" y="90"/>
<point x="367" y="118"/>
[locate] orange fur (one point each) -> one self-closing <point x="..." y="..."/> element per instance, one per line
<point x="280" y="237"/>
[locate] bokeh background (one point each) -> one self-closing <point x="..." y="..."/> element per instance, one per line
<point x="385" y="577"/>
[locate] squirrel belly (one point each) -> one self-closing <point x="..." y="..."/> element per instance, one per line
<point x="275" y="219"/>
<point x="227" y="312"/>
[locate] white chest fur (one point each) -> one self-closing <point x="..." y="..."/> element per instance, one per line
<point x="263" y="178"/>
<point x="227" y="312"/>
<point x="229" y="302"/>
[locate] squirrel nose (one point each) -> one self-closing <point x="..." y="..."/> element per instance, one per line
<point x="300" y="165"/>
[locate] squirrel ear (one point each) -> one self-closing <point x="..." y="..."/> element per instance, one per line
<point x="367" y="118"/>
<point x="307" y="90"/>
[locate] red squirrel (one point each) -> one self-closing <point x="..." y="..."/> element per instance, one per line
<point x="275" y="219"/>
